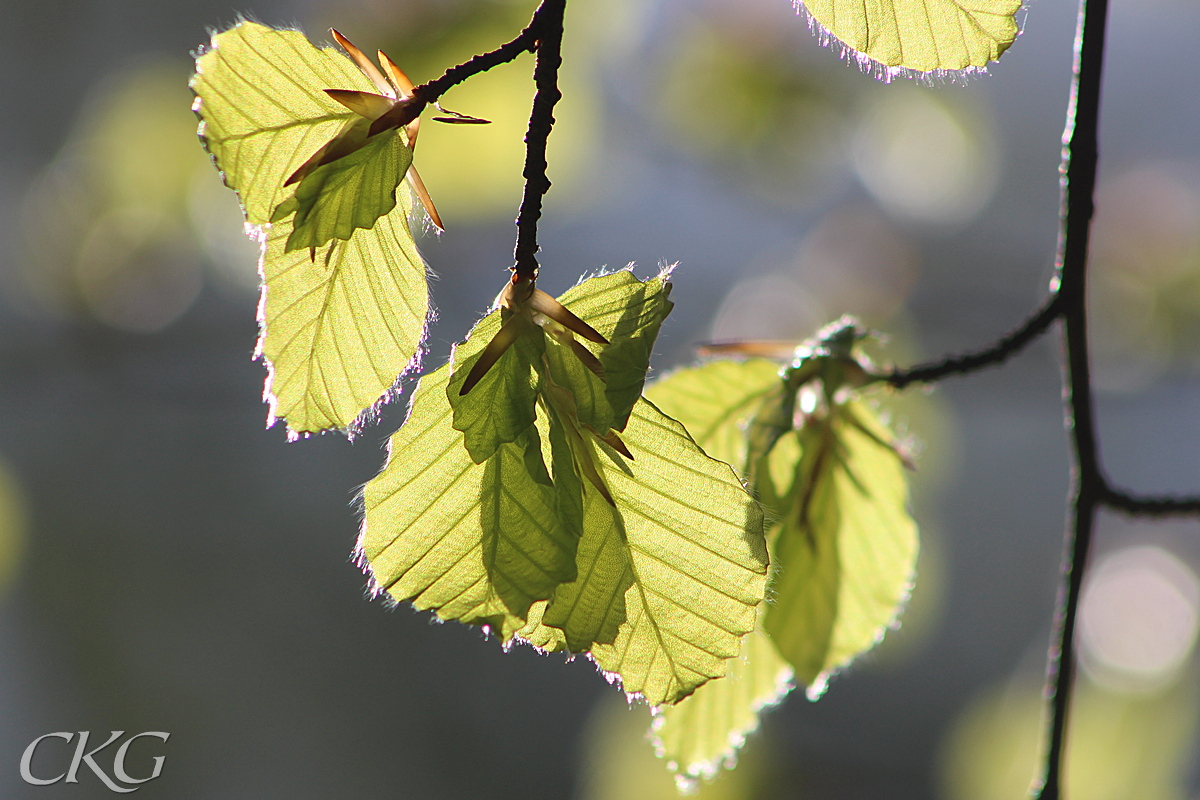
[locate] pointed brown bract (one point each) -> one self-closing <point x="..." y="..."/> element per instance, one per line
<point x="403" y="85"/>
<point x="763" y="348"/>
<point x="364" y="63"/>
<point x="365" y="104"/>
<point x="545" y="304"/>
<point x="394" y="107"/>
<point x="350" y="139"/>
<point x="513" y="327"/>
<point x="614" y="441"/>
<point x="521" y="297"/>
<point x="418" y="185"/>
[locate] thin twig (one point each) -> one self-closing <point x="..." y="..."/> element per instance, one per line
<point x="541" y="120"/>
<point x="1150" y="506"/>
<point x="1080" y="153"/>
<point x="526" y="42"/>
<point x="992" y="355"/>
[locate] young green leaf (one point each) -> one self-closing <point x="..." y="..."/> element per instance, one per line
<point x="499" y="407"/>
<point x="667" y="558"/>
<point x="260" y="94"/>
<point x="539" y="636"/>
<point x="498" y="369"/>
<point x="702" y="733"/>
<point x="339" y="332"/>
<point x="744" y="413"/>
<point x="715" y="402"/>
<point x="919" y="35"/>
<point x="678" y="555"/>
<point x="628" y="312"/>
<point x="844" y="552"/>
<point x="474" y="542"/>
<point x="352" y="192"/>
<point x="339" y="326"/>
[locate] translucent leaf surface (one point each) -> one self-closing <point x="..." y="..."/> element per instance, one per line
<point x="500" y="407"/>
<point x="337" y="198"/>
<point x="844" y="553"/>
<point x="474" y="542"/>
<point x="919" y="35"/>
<point x="628" y="312"/>
<point x="338" y="332"/>
<point x="667" y="558"/>
<point x="340" y="324"/>
<point x="715" y="401"/>
<point x="680" y="551"/>
<point x="260" y="94"/>
<point x="543" y="637"/>
<point x="619" y="306"/>
<point x="702" y="733"/>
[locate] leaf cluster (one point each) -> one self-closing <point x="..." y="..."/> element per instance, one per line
<point x="561" y="509"/>
<point x="533" y="490"/>
<point x="843" y="545"/>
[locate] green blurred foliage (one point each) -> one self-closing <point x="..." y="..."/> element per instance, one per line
<point x="1120" y="746"/>
<point x="1146" y="274"/>
<point x="732" y="95"/>
<point x="118" y="227"/>
<point x="618" y="764"/>
<point x="12" y="526"/>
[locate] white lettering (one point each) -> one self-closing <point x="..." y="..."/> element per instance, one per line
<point x="27" y="759"/>
<point x="91" y="762"/>
<point x="119" y="761"/>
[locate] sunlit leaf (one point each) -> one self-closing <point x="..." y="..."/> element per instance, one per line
<point x="344" y="297"/>
<point x="497" y="405"/>
<point x="680" y="551"/>
<point x="260" y="94"/>
<point x="844" y="552"/>
<point x="543" y="637"/>
<point x="337" y="198"/>
<point x="500" y="406"/>
<point x="703" y="733"/>
<point x="715" y="401"/>
<point x="474" y="542"/>
<point x="920" y="35"/>
<point x="339" y="331"/>
<point x="628" y="312"/>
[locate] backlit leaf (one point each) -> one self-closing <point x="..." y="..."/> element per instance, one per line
<point x="715" y="401"/>
<point x="702" y="733"/>
<point x="919" y="35"/>
<point x="681" y="551"/>
<point x="500" y="407"/>
<point x="474" y="542"/>
<point x="628" y="312"/>
<point x="621" y="308"/>
<point x="844" y="552"/>
<point x="338" y="332"/>
<point x="339" y="326"/>
<point x="260" y="96"/>
<point x="543" y="637"/>
<point x="337" y="198"/>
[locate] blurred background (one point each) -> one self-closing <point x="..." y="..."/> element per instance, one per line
<point x="167" y="564"/>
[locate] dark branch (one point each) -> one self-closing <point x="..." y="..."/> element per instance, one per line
<point x="992" y="355"/>
<point x="541" y="120"/>
<point x="1152" y="506"/>
<point x="1080" y="154"/>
